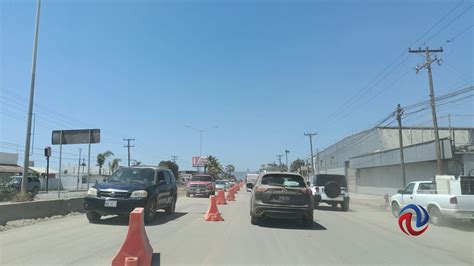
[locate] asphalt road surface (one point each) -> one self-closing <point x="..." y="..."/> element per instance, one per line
<point x="364" y="235"/>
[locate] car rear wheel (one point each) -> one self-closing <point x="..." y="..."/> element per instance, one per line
<point x="345" y="205"/>
<point x="395" y="209"/>
<point x="150" y="211"/>
<point x="308" y="221"/>
<point x="93" y="216"/>
<point x="255" y="220"/>
<point x="172" y="207"/>
<point x="436" y="217"/>
<point x="35" y="190"/>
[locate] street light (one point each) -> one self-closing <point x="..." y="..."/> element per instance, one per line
<point x="287" y="166"/>
<point x="200" y="131"/>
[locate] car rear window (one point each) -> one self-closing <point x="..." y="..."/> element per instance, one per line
<point x="220" y="182"/>
<point x="201" y="178"/>
<point x="322" y="180"/>
<point x="283" y="180"/>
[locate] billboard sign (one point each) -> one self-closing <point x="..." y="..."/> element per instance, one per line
<point x="199" y="161"/>
<point x="76" y="136"/>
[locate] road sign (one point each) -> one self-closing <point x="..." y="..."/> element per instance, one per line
<point x="76" y="136"/>
<point x="199" y="161"/>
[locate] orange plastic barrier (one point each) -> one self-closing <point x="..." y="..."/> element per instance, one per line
<point x="136" y="249"/>
<point x="230" y="195"/>
<point x="221" y="198"/>
<point x="212" y="213"/>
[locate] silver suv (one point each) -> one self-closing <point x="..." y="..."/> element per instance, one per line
<point x="330" y="189"/>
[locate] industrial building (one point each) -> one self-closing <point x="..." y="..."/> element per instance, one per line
<point x="371" y="159"/>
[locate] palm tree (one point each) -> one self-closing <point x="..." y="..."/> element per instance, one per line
<point x="101" y="157"/>
<point x="230" y="169"/>
<point x="115" y="164"/>
<point x="214" y="167"/>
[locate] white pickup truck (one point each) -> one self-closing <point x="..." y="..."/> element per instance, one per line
<point x="446" y="198"/>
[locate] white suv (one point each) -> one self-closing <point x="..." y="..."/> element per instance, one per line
<point x="330" y="189"/>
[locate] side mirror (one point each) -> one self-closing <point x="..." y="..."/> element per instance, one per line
<point x="308" y="183"/>
<point x="250" y="185"/>
<point x="400" y="191"/>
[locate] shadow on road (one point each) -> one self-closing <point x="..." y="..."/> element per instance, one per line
<point x="329" y="208"/>
<point x="161" y="218"/>
<point x="460" y="225"/>
<point x="289" y="224"/>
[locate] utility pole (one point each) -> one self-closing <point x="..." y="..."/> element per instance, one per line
<point x="128" y="146"/>
<point x="26" y="161"/>
<point x="310" y="135"/>
<point x="400" y="140"/>
<point x="287" y="166"/>
<point x="174" y="158"/>
<point x="279" y="159"/>
<point x="78" y="168"/>
<point x="427" y="65"/>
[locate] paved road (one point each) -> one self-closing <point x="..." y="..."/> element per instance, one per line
<point x="362" y="236"/>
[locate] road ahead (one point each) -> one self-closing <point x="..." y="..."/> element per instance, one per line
<point x="362" y="236"/>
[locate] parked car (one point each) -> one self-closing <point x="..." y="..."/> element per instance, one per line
<point x="152" y="188"/>
<point x="34" y="184"/>
<point x="221" y="185"/>
<point x="281" y="195"/>
<point x="201" y="184"/>
<point x="330" y="189"/>
<point x="451" y="198"/>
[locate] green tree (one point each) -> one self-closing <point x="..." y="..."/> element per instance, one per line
<point x="296" y="165"/>
<point x="114" y="165"/>
<point x="101" y="157"/>
<point x="172" y="166"/>
<point x="214" y="167"/>
<point x="229" y="170"/>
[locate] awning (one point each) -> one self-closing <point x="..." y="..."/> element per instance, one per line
<point x="6" y="168"/>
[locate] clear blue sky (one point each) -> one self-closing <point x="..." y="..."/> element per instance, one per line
<point x="264" y="72"/>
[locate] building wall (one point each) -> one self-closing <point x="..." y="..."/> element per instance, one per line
<point x="388" y="179"/>
<point x="468" y="163"/>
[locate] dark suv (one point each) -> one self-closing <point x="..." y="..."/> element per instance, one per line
<point x="152" y="188"/>
<point x="281" y="195"/>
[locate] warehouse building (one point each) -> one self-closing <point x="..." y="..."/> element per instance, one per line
<point x="371" y="159"/>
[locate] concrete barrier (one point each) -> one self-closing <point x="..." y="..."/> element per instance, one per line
<point x="39" y="209"/>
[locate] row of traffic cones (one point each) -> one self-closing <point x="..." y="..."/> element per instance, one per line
<point x="213" y="213"/>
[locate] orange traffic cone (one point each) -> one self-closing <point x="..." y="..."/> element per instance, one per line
<point x="230" y="195"/>
<point x="212" y="213"/>
<point x="221" y="198"/>
<point x="136" y="250"/>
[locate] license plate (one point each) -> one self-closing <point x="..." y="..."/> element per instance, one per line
<point x="284" y="198"/>
<point x="198" y="191"/>
<point x="110" y="203"/>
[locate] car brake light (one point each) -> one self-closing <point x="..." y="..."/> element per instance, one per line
<point x="306" y="191"/>
<point x="453" y="200"/>
<point x="209" y="185"/>
<point x="261" y="189"/>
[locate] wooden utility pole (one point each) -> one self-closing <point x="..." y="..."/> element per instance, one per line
<point x="427" y="65"/>
<point x="128" y="146"/>
<point x="310" y="135"/>
<point x="400" y="141"/>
